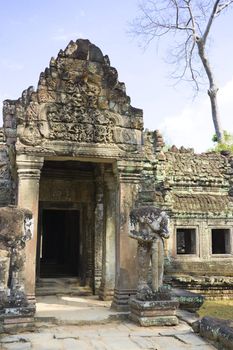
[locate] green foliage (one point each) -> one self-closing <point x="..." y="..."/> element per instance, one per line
<point x="225" y="145"/>
<point x="215" y="138"/>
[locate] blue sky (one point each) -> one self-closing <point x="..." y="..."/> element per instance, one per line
<point x="31" y="32"/>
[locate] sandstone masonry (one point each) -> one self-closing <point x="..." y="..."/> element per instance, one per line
<point x="74" y="152"/>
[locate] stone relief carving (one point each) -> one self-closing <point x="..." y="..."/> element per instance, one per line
<point x="79" y="99"/>
<point x="149" y="226"/>
<point x="16" y="227"/>
<point x="6" y="175"/>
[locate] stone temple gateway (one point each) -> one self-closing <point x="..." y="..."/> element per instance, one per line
<point x="74" y="153"/>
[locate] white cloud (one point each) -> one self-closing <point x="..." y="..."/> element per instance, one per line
<point x="193" y="126"/>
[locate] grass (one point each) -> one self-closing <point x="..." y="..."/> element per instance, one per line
<point x="217" y="308"/>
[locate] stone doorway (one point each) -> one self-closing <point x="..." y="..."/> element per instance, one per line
<point x="76" y="220"/>
<point x="59" y="243"/>
<point x="61" y="263"/>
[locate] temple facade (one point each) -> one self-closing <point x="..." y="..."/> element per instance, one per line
<point x="74" y="153"/>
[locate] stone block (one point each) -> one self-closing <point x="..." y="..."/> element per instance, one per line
<point x="187" y="300"/>
<point x="154" y="313"/>
<point x="18" y="328"/>
<point x="82" y="51"/>
<point x="217" y="330"/>
<point x="95" y="54"/>
<point x="154" y="321"/>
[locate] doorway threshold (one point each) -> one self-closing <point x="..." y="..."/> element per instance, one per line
<point x="62" y="286"/>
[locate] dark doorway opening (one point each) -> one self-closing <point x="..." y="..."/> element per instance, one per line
<point x="221" y="241"/>
<point x="59" y="244"/>
<point x="185" y="241"/>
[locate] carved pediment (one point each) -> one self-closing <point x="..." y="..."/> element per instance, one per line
<point x="78" y="99"/>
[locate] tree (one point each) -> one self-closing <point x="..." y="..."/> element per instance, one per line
<point x="225" y="145"/>
<point x="190" y="22"/>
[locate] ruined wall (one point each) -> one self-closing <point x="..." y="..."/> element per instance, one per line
<point x="196" y="190"/>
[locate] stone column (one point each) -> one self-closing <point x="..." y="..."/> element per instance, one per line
<point x="109" y="242"/>
<point x="29" y="168"/>
<point x="128" y="174"/>
<point x="99" y="227"/>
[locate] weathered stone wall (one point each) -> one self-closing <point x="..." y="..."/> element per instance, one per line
<point x="80" y="111"/>
<point x="196" y="189"/>
<point x="7" y="195"/>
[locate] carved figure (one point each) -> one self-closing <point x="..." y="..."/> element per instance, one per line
<point x="16" y="227"/>
<point x="149" y="226"/>
<point x="78" y="99"/>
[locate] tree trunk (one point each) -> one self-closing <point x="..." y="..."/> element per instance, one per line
<point x="213" y="89"/>
<point x="212" y="92"/>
